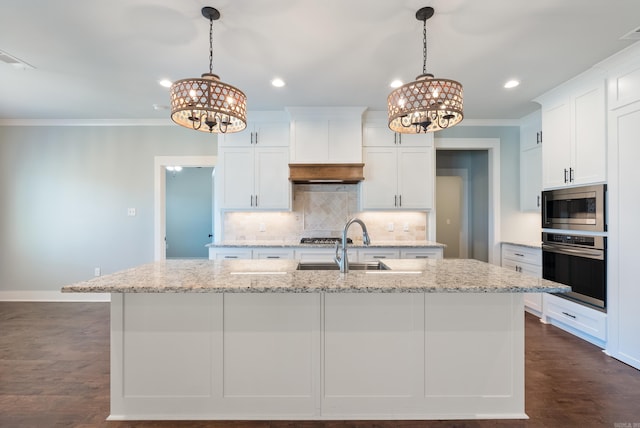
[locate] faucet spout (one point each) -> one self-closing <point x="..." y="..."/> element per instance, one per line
<point x="341" y="253"/>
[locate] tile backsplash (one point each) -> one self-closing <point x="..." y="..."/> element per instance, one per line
<point x="322" y="210"/>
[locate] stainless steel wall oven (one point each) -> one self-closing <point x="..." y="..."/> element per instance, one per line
<point x="578" y="261"/>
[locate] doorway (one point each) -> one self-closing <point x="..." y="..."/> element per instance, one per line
<point x="452" y="222"/>
<point x="159" y="194"/>
<point x="189" y="212"/>
<point x="480" y="158"/>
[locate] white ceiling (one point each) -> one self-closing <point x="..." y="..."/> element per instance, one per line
<point x="103" y="60"/>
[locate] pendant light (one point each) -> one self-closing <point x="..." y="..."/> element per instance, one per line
<point x="427" y="104"/>
<point x="207" y="104"/>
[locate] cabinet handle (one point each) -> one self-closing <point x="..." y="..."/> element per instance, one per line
<point x="571" y="175"/>
<point x="565" y="175"/>
<point x="256" y="137"/>
<point x="569" y="315"/>
<point x="538" y="201"/>
<point x="518" y="254"/>
<point x="399" y="138"/>
<point x="395" y="200"/>
<point x="395" y="138"/>
<point x="251" y="140"/>
<point x="538" y="137"/>
<point x="422" y="257"/>
<point x="379" y="257"/>
<point x="256" y="198"/>
<point x="273" y="257"/>
<point x="400" y="199"/>
<point x="251" y="200"/>
<point x="230" y="257"/>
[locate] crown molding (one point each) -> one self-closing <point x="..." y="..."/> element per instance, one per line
<point x="86" y="122"/>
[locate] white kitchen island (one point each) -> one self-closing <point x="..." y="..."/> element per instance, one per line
<point x="256" y="339"/>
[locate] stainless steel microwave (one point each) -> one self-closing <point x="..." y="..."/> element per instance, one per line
<point x="575" y="208"/>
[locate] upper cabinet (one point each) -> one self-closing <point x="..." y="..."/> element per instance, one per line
<point x="264" y="129"/>
<point x="326" y="135"/>
<point x="378" y="134"/>
<point x="253" y="171"/>
<point x="531" y="162"/>
<point x="398" y="175"/>
<point x="574" y="132"/>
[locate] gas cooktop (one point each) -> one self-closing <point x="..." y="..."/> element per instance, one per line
<point x="324" y="240"/>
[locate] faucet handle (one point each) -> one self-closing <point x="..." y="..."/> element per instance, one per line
<point x="337" y="251"/>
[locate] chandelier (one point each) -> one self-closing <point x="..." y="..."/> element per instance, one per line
<point x="427" y="104"/>
<point x="207" y="104"/>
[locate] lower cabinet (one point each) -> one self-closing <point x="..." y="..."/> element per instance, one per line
<point x="529" y="261"/>
<point x="586" y="323"/>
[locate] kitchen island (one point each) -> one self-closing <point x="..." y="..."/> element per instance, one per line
<point x="258" y="339"/>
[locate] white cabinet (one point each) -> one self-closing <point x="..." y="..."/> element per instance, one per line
<point x="421" y="253"/>
<point x="326" y="135"/>
<point x="272" y="253"/>
<point x="375" y="254"/>
<point x="623" y="282"/>
<point x="573" y="126"/>
<point x="528" y="261"/>
<point x="262" y="134"/>
<point x="378" y="134"/>
<point x="531" y="163"/>
<point x="398" y="178"/>
<point x="229" y="253"/>
<point x="586" y="323"/>
<point x="254" y="178"/>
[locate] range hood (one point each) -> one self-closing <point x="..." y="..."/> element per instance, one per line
<point x="326" y="172"/>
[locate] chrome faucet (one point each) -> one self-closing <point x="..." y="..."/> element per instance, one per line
<point x="341" y="253"/>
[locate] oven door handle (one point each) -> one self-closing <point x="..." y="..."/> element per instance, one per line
<point x="579" y="252"/>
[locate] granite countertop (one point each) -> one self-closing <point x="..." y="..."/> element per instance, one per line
<point x="356" y="244"/>
<point x="537" y="244"/>
<point x="281" y="276"/>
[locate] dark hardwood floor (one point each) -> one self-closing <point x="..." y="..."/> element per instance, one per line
<point x="54" y="372"/>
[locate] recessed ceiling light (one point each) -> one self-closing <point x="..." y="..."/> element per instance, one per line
<point x="160" y="107"/>
<point x="396" y="83"/>
<point x="165" y="82"/>
<point x="277" y="82"/>
<point x="511" y="84"/>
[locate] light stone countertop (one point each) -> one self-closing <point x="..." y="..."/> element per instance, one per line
<point x="536" y="245"/>
<point x="281" y="276"/>
<point x="297" y="244"/>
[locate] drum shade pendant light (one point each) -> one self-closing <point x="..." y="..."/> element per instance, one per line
<point x="207" y="104"/>
<point x="427" y="104"/>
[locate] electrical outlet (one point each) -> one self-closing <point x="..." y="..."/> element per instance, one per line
<point x="262" y="227"/>
<point x="131" y="212"/>
<point x="406" y="227"/>
<point x="389" y="227"/>
<point x="96" y="271"/>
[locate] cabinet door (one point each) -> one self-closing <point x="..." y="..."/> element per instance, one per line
<point x="415" y="140"/>
<point x="379" y="188"/>
<point x="237" y="177"/>
<point x="556" y="152"/>
<point x="415" y="178"/>
<point x="432" y="253"/>
<point x="237" y="139"/>
<point x="530" y="179"/>
<point x="271" y="134"/>
<point x="589" y="155"/>
<point x="272" y="185"/>
<point x="378" y="135"/>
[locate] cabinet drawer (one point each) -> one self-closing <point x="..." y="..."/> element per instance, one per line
<point x="272" y="253"/>
<point x="587" y="320"/>
<point x="373" y="255"/>
<point x="520" y="254"/>
<point x="229" y="253"/>
<point x="435" y="253"/>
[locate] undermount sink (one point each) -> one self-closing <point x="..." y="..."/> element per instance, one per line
<point x="334" y="266"/>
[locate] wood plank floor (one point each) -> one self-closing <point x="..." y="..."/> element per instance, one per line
<point x="54" y="372"/>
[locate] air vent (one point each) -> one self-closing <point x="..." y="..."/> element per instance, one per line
<point x="632" y="35"/>
<point x="14" y="62"/>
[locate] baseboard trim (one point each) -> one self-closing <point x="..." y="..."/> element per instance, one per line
<point x="51" y="296"/>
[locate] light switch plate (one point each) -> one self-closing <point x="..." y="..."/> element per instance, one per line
<point x="131" y="212"/>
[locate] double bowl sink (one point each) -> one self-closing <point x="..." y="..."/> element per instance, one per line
<point x="334" y="266"/>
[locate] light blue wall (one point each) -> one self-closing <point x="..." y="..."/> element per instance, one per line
<point x="515" y="225"/>
<point x="189" y="212"/>
<point x="64" y="195"/>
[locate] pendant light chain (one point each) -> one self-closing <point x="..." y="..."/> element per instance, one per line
<point x="424" y="47"/>
<point x="211" y="45"/>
